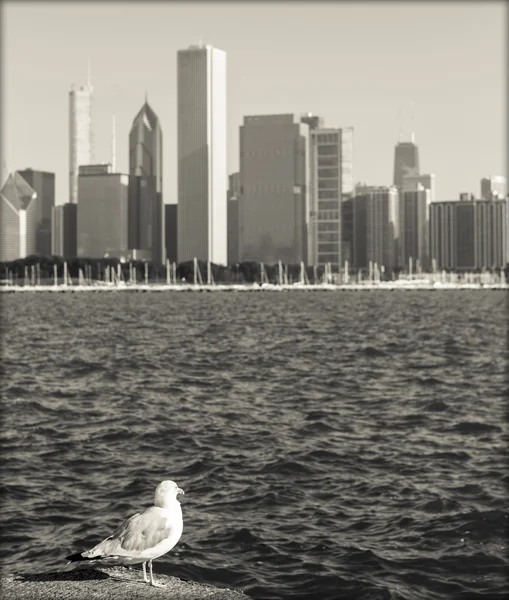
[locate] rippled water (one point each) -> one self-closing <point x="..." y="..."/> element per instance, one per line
<point x="331" y="445"/>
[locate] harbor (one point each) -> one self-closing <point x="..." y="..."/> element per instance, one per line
<point x="120" y="279"/>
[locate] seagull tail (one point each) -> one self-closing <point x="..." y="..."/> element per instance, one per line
<point x="101" y="560"/>
<point x="78" y="557"/>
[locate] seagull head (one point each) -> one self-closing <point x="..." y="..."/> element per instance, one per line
<point x="166" y="493"/>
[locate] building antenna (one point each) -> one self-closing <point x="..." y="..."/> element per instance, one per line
<point x="90" y="90"/>
<point x="412" y="134"/>
<point x="113" y="144"/>
<point x="146" y="97"/>
<point x="400" y="134"/>
<point x="89" y="74"/>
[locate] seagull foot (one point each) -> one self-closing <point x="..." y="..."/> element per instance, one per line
<point x="156" y="584"/>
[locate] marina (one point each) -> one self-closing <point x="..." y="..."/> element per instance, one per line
<point x="114" y="280"/>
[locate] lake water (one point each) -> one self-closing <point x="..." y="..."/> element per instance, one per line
<point x="331" y="444"/>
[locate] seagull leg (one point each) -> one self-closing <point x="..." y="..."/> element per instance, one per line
<point x="145" y="578"/>
<point x="152" y="582"/>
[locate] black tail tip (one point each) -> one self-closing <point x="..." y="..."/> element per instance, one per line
<point x="75" y="557"/>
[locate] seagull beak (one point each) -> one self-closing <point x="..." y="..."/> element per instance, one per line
<point x="180" y="491"/>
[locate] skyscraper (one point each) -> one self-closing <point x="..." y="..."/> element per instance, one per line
<point x="80" y="134"/>
<point x="146" y="208"/>
<point x="442" y="234"/>
<point x="427" y="181"/>
<point x="233" y="217"/>
<point x="44" y="185"/>
<point x="491" y="233"/>
<point x="466" y="242"/>
<point x="64" y="224"/>
<point x="376" y="227"/>
<point x="469" y="234"/>
<point x="331" y="182"/>
<point x="171" y="231"/>
<point x="414" y="227"/>
<point x="273" y="189"/>
<point x="102" y="212"/>
<point x="347" y="230"/>
<point x="493" y="187"/>
<point x="314" y="121"/>
<point x="57" y="229"/>
<point x="202" y="171"/>
<point x="406" y="161"/>
<point x="18" y="218"/>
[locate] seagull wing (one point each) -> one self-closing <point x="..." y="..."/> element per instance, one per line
<point x="139" y="533"/>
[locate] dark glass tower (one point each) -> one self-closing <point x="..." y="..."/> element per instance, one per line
<point x="171" y="231"/>
<point x="233" y="218"/>
<point x="406" y="162"/>
<point x="44" y="185"/>
<point x="146" y="218"/>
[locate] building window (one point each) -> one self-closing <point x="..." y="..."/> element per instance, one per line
<point x="330" y="191"/>
<point x="327" y="247"/>
<point x="327" y="150"/>
<point x="328" y="215"/>
<point x="330" y="173"/>
<point x="326" y="226"/>
<point x="329" y="236"/>
<point x="327" y="161"/>
<point x="332" y="257"/>
<point x="328" y="205"/>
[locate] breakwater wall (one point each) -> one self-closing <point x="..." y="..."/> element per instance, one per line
<point x="115" y="583"/>
<point x="396" y="285"/>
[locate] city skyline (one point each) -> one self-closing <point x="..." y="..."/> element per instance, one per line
<point x="460" y="134"/>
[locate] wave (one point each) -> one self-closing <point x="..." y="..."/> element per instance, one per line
<point x="322" y="457"/>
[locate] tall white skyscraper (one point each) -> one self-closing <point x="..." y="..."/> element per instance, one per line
<point x="202" y="170"/>
<point x="80" y="134"/>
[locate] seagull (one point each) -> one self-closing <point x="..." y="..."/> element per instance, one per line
<point x="144" y="537"/>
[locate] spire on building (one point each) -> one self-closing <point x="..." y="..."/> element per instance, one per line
<point x="113" y="149"/>
<point x="89" y="73"/>
<point x="410" y="122"/>
<point x="412" y="134"/>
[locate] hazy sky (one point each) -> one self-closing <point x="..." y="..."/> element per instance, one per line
<point x="356" y="64"/>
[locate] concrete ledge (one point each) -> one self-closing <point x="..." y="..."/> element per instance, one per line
<point x="113" y="583"/>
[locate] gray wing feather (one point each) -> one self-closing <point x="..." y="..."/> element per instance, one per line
<point x="140" y="532"/>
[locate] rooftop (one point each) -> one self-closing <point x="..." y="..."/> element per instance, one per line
<point x="17" y="192"/>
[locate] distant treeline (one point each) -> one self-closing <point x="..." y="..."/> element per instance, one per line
<point x="243" y="272"/>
